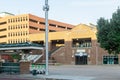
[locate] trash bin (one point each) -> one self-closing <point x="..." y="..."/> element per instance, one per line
<point x="34" y="72"/>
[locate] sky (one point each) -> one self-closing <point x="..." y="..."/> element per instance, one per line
<point x="68" y="11"/>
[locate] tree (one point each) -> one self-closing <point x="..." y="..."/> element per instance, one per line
<point x="108" y="34"/>
<point x="16" y="57"/>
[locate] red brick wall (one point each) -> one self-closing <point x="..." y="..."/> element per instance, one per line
<point x="24" y="67"/>
<point x="59" y="55"/>
<point x="95" y="53"/>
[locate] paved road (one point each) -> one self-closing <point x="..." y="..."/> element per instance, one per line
<point x="101" y="72"/>
<point x="74" y="72"/>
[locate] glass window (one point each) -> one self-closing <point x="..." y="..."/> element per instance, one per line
<point x="21" y="18"/>
<point x="16" y="19"/>
<point x="85" y="42"/>
<point x="110" y="59"/>
<point x="8" y="20"/>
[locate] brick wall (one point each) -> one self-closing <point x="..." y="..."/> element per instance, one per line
<point x="24" y="67"/>
<point x="66" y="54"/>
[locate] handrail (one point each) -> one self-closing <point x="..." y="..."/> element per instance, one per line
<point x="33" y="58"/>
<point x="52" y="51"/>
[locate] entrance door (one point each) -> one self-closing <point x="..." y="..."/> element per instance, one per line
<point x="81" y="60"/>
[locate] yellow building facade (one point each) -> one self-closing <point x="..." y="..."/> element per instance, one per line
<point x="16" y="28"/>
<point x="66" y="44"/>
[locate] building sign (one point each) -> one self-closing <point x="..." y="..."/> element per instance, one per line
<point x="82" y="50"/>
<point x="81" y="54"/>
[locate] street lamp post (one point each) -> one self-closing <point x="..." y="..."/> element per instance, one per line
<point x="46" y="9"/>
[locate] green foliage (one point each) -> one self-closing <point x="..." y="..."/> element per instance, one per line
<point x="108" y="34"/>
<point x="15" y="56"/>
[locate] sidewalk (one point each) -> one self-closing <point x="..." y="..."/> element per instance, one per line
<point x="42" y="77"/>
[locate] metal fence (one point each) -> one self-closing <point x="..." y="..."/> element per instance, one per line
<point x="10" y="68"/>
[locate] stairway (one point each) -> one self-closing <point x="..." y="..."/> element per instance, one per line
<point x="33" y="58"/>
<point x="50" y="62"/>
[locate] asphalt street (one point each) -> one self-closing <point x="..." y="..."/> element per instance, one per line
<point x="98" y="72"/>
<point x="72" y="72"/>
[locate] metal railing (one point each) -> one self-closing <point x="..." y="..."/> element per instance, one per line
<point x="10" y="68"/>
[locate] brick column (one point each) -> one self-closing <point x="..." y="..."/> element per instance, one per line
<point x="118" y="58"/>
<point x="24" y="67"/>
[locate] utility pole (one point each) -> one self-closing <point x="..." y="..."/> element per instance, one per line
<point x="46" y="9"/>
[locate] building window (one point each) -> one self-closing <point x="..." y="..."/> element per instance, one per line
<point x="13" y="20"/>
<point x="69" y="28"/>
<point x="21" y="19"/>
<point x="8" y="27"/>
<point x="23" y="25"/>
<point x="110" y="59"/>
<point x="8" y="34"/>
<point x="3" y="36"/>
<point x="52" y="25"/>
<point x="31" y="27"/>
<point x="3" y="29"/>
<point x="42" y="29"/>
<point x="16" y="33"/>
<point x="8" y="20"/>
<point x="82" y="42"/>
<point x="2" y="23"/>
<point x="43" y="23"/>
<point x="18" y="41"/>
<point x="26" y="32"/>
<point x="52" y="31"/>
<point x="33" y="20"/>
<point x="11" y="27"/>
<point x="26" y="26"/>
<point x="23" y="32"/>
<point x="20" y="33"/>
<point x="16" y="19"/>
<point x="61" y="26"/>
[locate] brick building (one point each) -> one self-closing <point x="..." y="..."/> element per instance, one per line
<point x="68" y="44"/>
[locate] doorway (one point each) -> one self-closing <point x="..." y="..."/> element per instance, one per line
<point x="81" y="60"/>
